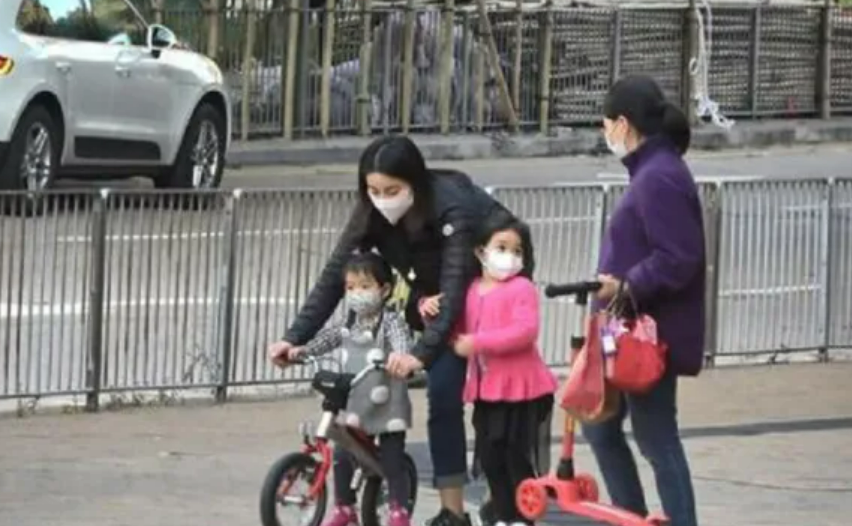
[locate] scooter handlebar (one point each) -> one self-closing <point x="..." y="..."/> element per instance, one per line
<point x="572" y="289"/>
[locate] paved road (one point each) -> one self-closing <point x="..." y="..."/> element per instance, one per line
<point x="768" y="446"/>
<point x="165" y="268"/>
<point x="831" y="160"/>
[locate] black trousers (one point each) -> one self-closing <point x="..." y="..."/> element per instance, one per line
<point x="391" y="455"/>
<point x="506" y="441"/>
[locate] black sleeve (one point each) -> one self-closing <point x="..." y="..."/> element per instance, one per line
<point x="328" y="290"/>
<point x="456" y="228"/>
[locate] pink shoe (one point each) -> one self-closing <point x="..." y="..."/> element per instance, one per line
<point x="342" y="516"/>
<point x="398" y="516"/>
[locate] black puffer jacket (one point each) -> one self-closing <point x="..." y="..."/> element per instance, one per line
<point x="438" y="258"/>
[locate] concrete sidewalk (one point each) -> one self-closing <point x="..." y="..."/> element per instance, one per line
<point x="561" y="142"/>
<point x="768" y="446"/>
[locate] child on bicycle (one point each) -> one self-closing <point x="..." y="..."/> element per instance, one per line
<point x="382" y="407"/>
<point x="508" y="383"/>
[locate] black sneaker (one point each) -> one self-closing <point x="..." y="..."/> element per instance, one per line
<point x="447" y="518"/>
<point x="487" y="514"/>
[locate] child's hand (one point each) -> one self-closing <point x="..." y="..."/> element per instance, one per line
<point x="464" y="345"/>
<point x="279" y="353"/>
<point x="431" y="306"/>
<point x="295" y="353"/>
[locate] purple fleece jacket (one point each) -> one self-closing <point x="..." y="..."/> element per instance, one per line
<point x="655" y="242"/>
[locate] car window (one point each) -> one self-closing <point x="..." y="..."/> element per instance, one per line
<point x="117" y="22"/>
<point x="71" y="19"/>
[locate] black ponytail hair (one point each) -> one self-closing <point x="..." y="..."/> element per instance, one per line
<point x="640" y="100"/>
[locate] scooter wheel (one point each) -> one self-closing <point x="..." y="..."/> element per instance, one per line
<point x="531" y="499"/>
<point x="588" y="487"/>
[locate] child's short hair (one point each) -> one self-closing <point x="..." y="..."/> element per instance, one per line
<point x="500" y="221"/>
<point x="370" y="264"/>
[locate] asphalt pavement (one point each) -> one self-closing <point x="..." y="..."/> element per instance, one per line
<point x="827" y="160"/>
<point x="767" y="446"/>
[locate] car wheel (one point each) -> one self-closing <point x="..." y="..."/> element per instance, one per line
<point x="34" y="152"/>
<point x="200" y="161"/>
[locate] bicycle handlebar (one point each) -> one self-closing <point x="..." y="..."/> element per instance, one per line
<point x="572" y="289"/>
<point x="373" y="365"/>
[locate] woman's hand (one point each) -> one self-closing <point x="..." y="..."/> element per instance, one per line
<point x="609" y="287"/>
<point x="403" y="365"/>
<point x="464" y="345"/>
<point x="280" y="353"/>
<point x="431" y="306"/>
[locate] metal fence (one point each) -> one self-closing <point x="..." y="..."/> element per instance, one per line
<point x="158" y="291"/>
<point x="299" y="72"/>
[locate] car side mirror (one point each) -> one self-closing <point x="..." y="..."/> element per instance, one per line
<point x="159" y="37"/>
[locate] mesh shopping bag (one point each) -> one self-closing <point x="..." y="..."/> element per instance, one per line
<point x="587" y="395"/>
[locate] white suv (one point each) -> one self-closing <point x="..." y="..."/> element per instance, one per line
<point x="88" y="88"/>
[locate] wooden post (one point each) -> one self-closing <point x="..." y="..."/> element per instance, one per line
<point x="213" y="28"/>
<point x="823" y="87"/>
<point x="494" y="63"/>
<point x="445" y="77"/>
<point x="479" y="94"/>
<point x="519" y="48"/>
<point x="545" y="67"/>
<point x="754" y="61"/>
<point x="289" y="80"/>
<point x="362" y="104"/>
<point x="248" y="67"/>
<point x="327" y="50"/>
<point x="690" y="50"/>
<point x="407" y="66"/>
<point x="157" y="8"/>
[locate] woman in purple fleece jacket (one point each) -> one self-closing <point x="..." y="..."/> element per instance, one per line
<point x="654" y="248"/>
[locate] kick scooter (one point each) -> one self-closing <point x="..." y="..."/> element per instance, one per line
<point x="297" y="482"/>
<point x="575" y="493"/>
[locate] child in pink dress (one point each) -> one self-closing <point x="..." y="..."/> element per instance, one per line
<point x="508" y="383"/>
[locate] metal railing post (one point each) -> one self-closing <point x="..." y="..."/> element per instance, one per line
<point x="96" y="302"/>
<point x="226" y="296"/>
<point x="712" y="231"/>
<point x="826" y="268"/>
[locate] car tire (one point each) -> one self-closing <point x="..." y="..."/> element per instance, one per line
<point x="184" y="174"/>
<point x="36" y="124"/>
<point x="34" y="121"/>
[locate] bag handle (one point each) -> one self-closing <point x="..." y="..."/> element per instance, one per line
<point x="616" y="306"/>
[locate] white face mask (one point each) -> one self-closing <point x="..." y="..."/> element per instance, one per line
<point x="502" y="265"/>
<point x="364" y="302"/>
<point x="393" y="208"/>
<point x="617" y="148"/>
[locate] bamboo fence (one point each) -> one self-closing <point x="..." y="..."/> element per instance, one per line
<point x="364" y="68"/>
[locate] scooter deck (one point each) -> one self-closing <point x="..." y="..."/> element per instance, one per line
<point x="557" y="517"/>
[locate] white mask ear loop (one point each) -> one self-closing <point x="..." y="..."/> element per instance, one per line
<point x="699" y="67"/>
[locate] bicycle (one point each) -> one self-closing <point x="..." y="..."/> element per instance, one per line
<point x="314" y="460"/>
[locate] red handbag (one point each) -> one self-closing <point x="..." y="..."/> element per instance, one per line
<point x="635" y="358"/>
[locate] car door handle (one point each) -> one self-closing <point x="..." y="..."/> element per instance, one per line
<point x="122" y="71"/>
<point x="63" y="67"/>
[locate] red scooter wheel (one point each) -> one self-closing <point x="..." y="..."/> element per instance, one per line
<point x="588" y="487"/>
<point x="531" y="499"/>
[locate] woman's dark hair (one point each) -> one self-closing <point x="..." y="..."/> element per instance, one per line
<point x="370" y="264"/>
<point x="398" y="157"/>
<point x="640" y="100"/>
<point x="500" y="221"/>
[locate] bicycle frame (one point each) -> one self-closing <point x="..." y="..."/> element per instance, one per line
<point x="352" y="440"/>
